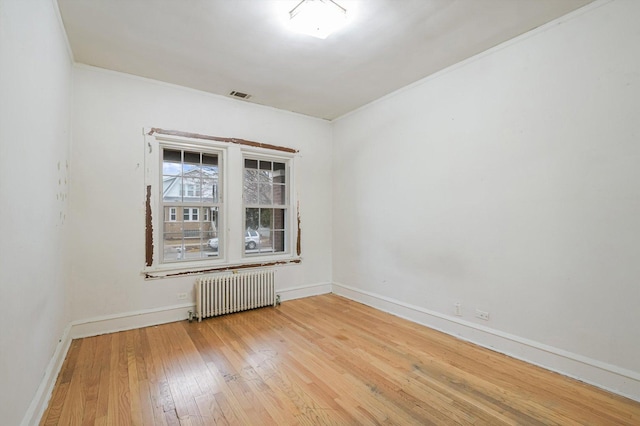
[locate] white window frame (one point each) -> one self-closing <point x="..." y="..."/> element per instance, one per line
<point x="231" y="213"/>
<point x="173" y="214"/>
<point x="288" y="206"/>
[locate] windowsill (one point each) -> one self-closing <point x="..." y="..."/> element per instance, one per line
<point x="168" y="270"/>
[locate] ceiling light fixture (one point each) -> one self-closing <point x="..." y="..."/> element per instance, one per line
<point x="318" y="18"/>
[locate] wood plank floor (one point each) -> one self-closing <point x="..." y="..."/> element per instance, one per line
<point x="320" y="360"/>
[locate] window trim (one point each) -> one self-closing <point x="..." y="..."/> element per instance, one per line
<point x="231" y="212"/>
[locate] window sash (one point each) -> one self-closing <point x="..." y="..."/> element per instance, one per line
<point x="184" y="170"/>
<point x="265" y="204"/>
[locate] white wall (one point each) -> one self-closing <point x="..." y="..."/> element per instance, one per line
<point x="35" y="96"/>
<point x="107" y="202"/>
<point x="511" y="184"/>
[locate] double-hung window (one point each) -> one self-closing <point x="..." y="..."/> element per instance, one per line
<point x="216" y="204"/>
<point x="265" y="196"/>
<point x="190" y="180"/>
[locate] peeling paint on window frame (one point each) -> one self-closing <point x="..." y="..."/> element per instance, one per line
<point x="150" y="272"/>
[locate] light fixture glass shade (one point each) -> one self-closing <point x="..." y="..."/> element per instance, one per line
<point x="317" y="18"/>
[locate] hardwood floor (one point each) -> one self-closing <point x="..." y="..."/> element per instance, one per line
<point x="320" y="360"/>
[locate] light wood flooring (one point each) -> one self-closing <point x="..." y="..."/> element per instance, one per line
<point x="321" y="360"/>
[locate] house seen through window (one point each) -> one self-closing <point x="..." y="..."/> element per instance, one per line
<point x="189" y="184"/>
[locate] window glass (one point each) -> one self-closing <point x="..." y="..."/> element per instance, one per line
<point x="190" y="184"/>
<point x="265" y="197"/>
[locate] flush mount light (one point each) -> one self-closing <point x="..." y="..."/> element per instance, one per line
<point x="317" y="18"/>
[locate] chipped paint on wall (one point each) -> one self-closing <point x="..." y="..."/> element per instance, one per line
<point x="62" y="191"/>
<point x="148" y="230"/>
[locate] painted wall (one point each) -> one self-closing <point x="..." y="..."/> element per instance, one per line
<point x="35" y="99"/>
<point x="109" y="113"/>
<point x="509" y="183"/>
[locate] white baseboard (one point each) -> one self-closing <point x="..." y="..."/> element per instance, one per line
<point x="304" y="291"/>
<point x="130" y="320"/>
<point x="606" y="376"/>
<point x="43" y="394"/>
<point x="149" y="317"/>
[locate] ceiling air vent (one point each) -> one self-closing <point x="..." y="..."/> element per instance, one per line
<point x="239" y="95"/>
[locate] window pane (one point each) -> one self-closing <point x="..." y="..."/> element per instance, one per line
<point x="250" y="164"/>
<point x="172" y="155"/>
<point x="252" y="218"/>
<point x="278" y="241"/>
<point x="210" y="190"/>
<point x="278" y="219"/>
<point x="171" y="169"/>
<point x="251" y="241"/>
<point x="191" y="167"/>
<point x="189" y="244"/>
<point x="192" y="157"/>
<point x="185" y="214"/>
<point x="210" y="232"/>
<point x="210" y="159"/>
<point x="265" y="165"/>
<point x="209" y="180"/>
<point x="250" y="186"/>
<point x="172" y="243"/>
<point x="266" y="218"/>
<point x="266" y="194"/>
<point x="279" y="175"/>
<point x="265" y="176"/>
<point x="171" y="189"/>
<point x="279" y="194"/>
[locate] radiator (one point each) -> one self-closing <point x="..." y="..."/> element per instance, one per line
<point x="224" y="294"/>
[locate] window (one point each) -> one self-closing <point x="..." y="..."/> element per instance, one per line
<point x="265" y="195"/>
<point x="223" y="204"/>
<point x="190" y="214"/>
<point x="196" y="172"/>
<point x="192" y="190"/>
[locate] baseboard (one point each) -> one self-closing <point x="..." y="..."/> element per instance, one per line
<point x="130" y="320"/>
<point x="149" y="317"/>
<point x="300" y="292"/>
<point x="605" y="376"/>
<point x="43" y="394"/>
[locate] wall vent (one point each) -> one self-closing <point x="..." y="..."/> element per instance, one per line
<point x="239" y="95"/>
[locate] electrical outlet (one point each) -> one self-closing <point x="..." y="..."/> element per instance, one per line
<point x="457" y="309"/>
<point x="182" y="296"/>
<point x="482" y="315"/>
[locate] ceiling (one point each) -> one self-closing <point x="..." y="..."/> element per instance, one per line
<point x="220" y="46"/>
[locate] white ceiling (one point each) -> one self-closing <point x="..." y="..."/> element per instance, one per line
<point x="222" y="45"/>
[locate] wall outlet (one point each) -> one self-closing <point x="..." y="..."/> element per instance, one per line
<point x="457" y="307"/>
<point x="182" y="296"/>
<point x="482" y="315"/>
